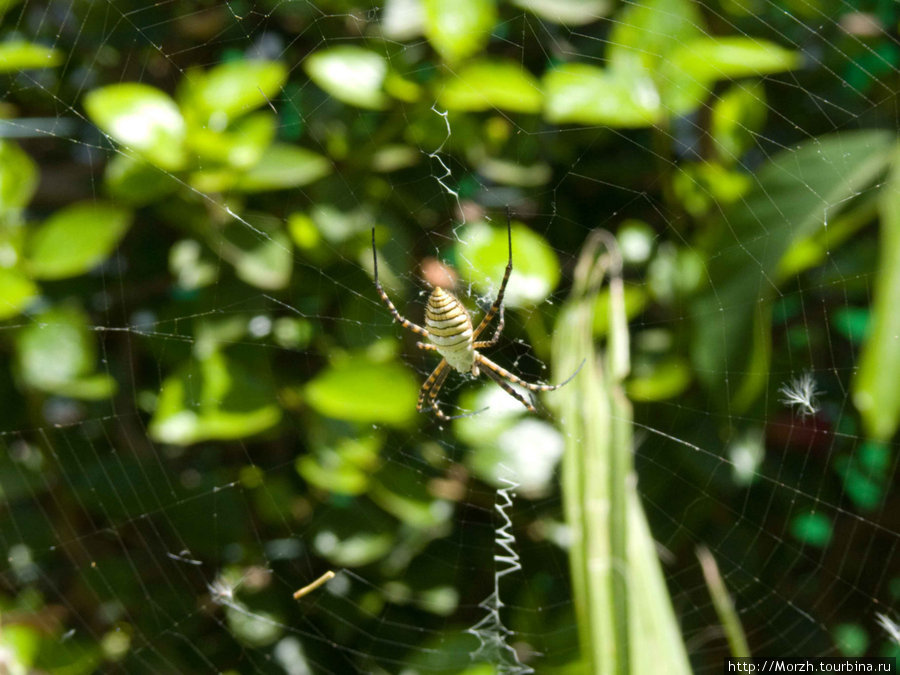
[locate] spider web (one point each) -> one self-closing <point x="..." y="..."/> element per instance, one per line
<point x="127" y="552"/>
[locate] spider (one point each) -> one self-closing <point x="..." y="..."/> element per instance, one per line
<point x="448" y="328"/>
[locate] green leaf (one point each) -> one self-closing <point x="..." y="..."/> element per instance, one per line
<point x="482" y="253"/>
<point x="513" y="173"/>
<point x="16" y="56"/>
<point x="400" y="491"/>
<point x="663" y="381"/>
<point x="737" y="117"/>
<point x="232" y="89"/>
<point x="241" y="146"/>
<point x="812" y="528"/>
<point x="715" y="58"/>
<point x="875" y="391"/>
<point x="351" y="74"/>
<point x="283" y="167"/>
<point x="356" y="550"/>
<point x="18" y="180"/>
<point x="792" y="195"/>
<point x="851" y="639"/>
<point x="361" y="390"/>
<point x="214" y="398"/>
<point x="76" y="239"/>
<point x="56" y="353"/>
<point x="136" y="182"/>
<point x="143" y="119"/>
<point x="852" y="323"/>
<point x="583" y="94"/>
<point x="688" y="73"/>
<point x="90" y="388"/>
<point x="344" y="469"/>
<point x="260" y="252"/>
<point x="459" y="28"/>
<point x="626" y="622"/>
<point x="644" y="33"/>
<point x="6" y="5"/>
<point x="489" y="84"/>
<point x="635" y="301"/>
<point x="268" y="263"/>
<point x="567" y="12"/>
<point x="16" y="291"/>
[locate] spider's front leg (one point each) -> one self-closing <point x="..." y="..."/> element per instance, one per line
<point x="406" y="323"/>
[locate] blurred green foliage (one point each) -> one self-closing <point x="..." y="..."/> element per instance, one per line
<point x="206" y="405"/>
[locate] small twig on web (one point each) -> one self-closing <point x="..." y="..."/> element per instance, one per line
<point x="309" y="588"/>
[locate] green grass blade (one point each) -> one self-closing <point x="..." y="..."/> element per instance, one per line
<point x="625" y="619"/>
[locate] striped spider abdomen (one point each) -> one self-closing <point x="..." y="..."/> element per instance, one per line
<point x="450" y="330"/>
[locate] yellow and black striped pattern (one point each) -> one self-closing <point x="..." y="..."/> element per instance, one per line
<point x="449" y="329"/>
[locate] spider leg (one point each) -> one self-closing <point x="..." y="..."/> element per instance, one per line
<point x="437" y="377"/>
<point x="432" y="395"/>
<point x="504" y="373"/>
<point x="428" y="347"/>
<point x="495" y="338"/>
<point x="496" y="377"/>
<point x="499" y="301"/>
<point x="406" y="323"/>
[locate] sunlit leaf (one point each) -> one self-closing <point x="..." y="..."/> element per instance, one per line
<point x="90" y="388"/>
<point x="715" y="58"/>
<point x="459" y="28"/>
<point x="351" y="74"/>
<point x="344" y="469"/>
<point x="488" y="84"/>
<point x="875" y="391"/>
<point x="16" y="291"/>
<point x="142" y="118"/>
<point x="234" y="88"/>
<point x="360" y="390"/>
<point x="18" y="180"/>
<point x="56" y="353"/>
<point x="567" y="12"/>
<point x="663" y="381"/>
<point x="737" y="116"/>
<point x="214" y="397"/>
<point x="644" y="33"/>
<point x="689" y="71"/>
<point x="482" y="253"/>
<point x="241" y="146"/>
<point x="191" y="266"/>
<point x="513" y="173"/>
<point x="16" y="56"/>
<point x="282" y="167"/>
<point x="355" y="550"/>
<point x="76" y="239"/>
<point x="585" y="94"/>
<point x="258" y="628"/>
<point x="403" y="19"/>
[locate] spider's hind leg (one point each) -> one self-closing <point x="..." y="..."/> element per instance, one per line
<point x="509" y="390"/>
<point x="431" y="387"/>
